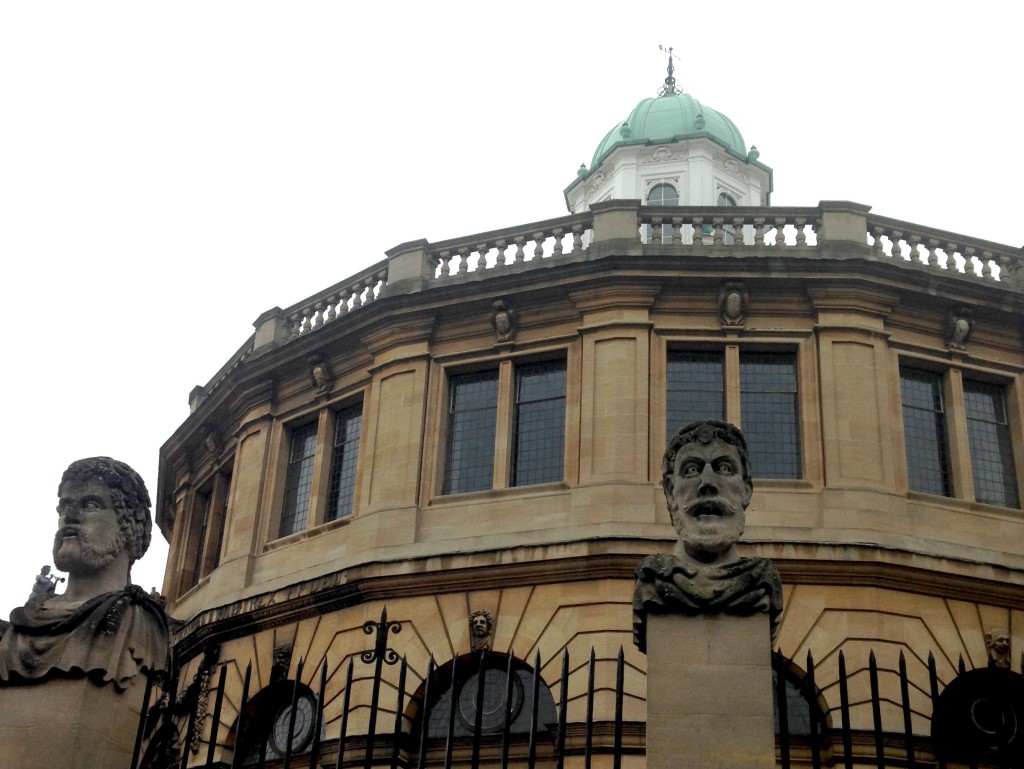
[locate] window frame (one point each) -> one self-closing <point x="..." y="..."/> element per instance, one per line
<point x="955" y="379"/>
<point x="344" y="461"/>
<point x="647" y="231"/>
<point x="319" y="507"/>
<point x="507" y="368"/>
<point x="208" y="511"/>
<point x="296" y="472"/>
<point x="809" y="469"/>
<point x="657" y="185"/>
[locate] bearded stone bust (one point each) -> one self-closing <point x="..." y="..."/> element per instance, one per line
<point x="102" y="627"/>
<point x="706" y="478"/>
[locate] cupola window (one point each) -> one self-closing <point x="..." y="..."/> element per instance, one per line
<point x="729" y="236"/>
<point x="663" y="195"/>
<point x="660" y="195"/>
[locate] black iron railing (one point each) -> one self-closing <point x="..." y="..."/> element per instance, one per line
<point x="491" y="708"/>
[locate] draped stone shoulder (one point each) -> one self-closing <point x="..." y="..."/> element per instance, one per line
<point x="110" y="638"/>
<point x="666" y="584"/>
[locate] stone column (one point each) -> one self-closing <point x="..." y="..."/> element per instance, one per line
<point x="709" y="692"/>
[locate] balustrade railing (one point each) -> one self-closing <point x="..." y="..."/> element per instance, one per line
<point x="340" y="299"/>
<point x="509" y="249"/>
<point x="720" y="227"/>
<point x="928" y="248"/>
<point x="710" y="230"/>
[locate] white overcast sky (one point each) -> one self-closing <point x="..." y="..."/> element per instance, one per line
<point x="168" y="171"/>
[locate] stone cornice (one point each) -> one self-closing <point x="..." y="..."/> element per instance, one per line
<point x="365" y="584"/>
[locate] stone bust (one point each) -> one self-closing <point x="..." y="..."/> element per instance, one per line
<point x="101" y="627"/>
<point x="706" y="479"/>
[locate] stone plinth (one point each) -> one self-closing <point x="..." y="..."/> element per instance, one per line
<point x="68" y="723"/>
<point x="709" y="692"/>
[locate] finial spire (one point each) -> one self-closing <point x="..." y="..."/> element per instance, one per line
<point x="670" y="87"/>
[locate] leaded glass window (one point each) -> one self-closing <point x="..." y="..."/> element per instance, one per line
<point x="205" y="502"/>
<point x="924" y="428"/>
<point x="696" y="384"/>
<point x="988" y="434"/>
<point x="347" y="426"/>
<point x="472" y="415"/>
<point x="298" y="485"/>
<point x="696" y="388"/>
<point x="538" y="452"/>
<point x="769" y="413"/>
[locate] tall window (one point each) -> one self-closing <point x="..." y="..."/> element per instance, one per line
<point x="534" y="428"/>
<point x="983" y="427"/>
<point x="729" y="235"/>
<point x="472" y="413"/>
<point x="924" y="428"/>
<point x="205" y="503"/>
<point x="988" y="435"/>
<point x="540" y="423"/>
<point x="660" y="195"/>
<point x="298" y="485"/>
<point x="695" y="388"/>
<point x="206" y="529"/>
<point x="347" y="426"/>
<point x="767" y="411"/>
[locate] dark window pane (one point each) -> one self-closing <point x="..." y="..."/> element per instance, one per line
<point x="205" y="503"/>
<point x="220" y="514"/>
<point x="695" y="389"/>
<point x="924" y="427"/>
<point x="347" y="425"/>
<point x="299" y="482"/>
<point x="768" y="413"/>
<point x="539" y="448"/>
<point x="988" y="433"/>
<point x="469" y="458"/>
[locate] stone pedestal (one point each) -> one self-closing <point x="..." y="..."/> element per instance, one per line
<point x="71" y="724"/>
<point x="709" y="692"/>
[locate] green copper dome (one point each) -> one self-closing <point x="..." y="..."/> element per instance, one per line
<point x="669" y="118"/>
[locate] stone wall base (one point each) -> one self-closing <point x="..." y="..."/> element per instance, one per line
<point x="71" y="724"/>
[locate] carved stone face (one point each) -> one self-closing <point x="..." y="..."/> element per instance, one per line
<point x="479" y="626"/>
<point x="998" y="642"/>
<point x="88" y="534"/>
<point x="708" y="499"/>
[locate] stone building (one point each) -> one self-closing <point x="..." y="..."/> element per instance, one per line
<point x="475" y="427"/>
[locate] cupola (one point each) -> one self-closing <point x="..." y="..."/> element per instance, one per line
<point x="672" y="150"/>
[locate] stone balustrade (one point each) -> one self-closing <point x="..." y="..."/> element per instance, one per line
<point x="938" y="250"/>
<point x="340" y="299"/>
<point x="509" y="250"/>
<point x="626" y="227"/>
<point x="727" y="227"/>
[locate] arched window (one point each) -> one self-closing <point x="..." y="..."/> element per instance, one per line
<point x="457" y="687"/>
<point x="804" y="707"/>
<point x="663" y="195"/>
<point x="725" y="199"/>
<point x="660" y="195"/>
<point x="268" y="713"/>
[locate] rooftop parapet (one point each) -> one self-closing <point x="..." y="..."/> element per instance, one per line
<point x="627" y="228"/>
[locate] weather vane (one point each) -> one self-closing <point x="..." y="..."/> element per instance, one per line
<point x="670" y="87"/>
